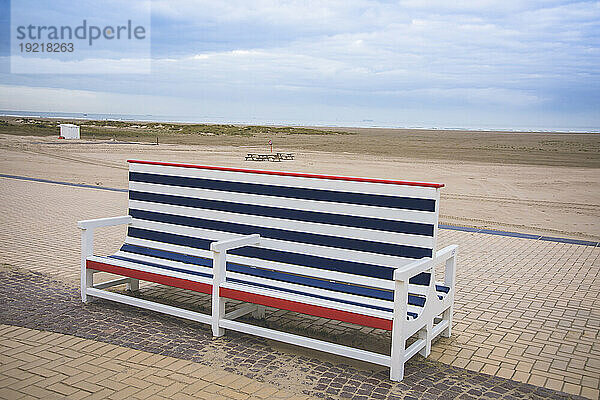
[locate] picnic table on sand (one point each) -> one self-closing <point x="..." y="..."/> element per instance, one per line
<point x="269" y="157"/>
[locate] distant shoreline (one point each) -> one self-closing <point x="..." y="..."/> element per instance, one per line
<point x="342" y="126"/>
<point x="489" y="147"/>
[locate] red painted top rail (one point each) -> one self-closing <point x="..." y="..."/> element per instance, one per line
<point x="254" y="171"/>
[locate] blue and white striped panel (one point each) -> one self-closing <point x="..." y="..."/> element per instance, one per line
<point x="337" y="236"/>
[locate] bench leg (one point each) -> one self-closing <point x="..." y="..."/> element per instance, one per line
<point x="259" y="313"/>
<point x="87" y="249"/>
<point x="426" y="334"/>
<point x="133" y="285"/>
<point x="87" y="281"/>
<point x="397" y="360"/>
<point x="218" y="312"/>
<point x="447" y="316"/>
<point x="398" y="340"/>
<point x="449" y="280"/>
<point x="218" y="303"/>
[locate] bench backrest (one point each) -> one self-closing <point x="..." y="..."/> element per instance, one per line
<point x="322" y="231"/>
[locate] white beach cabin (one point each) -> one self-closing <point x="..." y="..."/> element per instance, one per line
<point x="69" y="131"/>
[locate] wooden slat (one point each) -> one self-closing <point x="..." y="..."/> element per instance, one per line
<point x="365" y="211"/>
<point x="289" y="268"/>
<point x="288" y="225"/>
<point x="380" y="260"/>
<point x="291" y="181"/>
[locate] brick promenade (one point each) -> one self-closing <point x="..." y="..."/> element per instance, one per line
<point x="47" y="365"/>
<point x="35" y="301"/>
<point x="526" y="310"/>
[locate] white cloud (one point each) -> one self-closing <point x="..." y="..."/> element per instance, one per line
<point x="83" y="101"/>
<point x="367" y="55"/>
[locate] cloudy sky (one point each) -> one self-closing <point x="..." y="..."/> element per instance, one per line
<point x="516" y="64"/>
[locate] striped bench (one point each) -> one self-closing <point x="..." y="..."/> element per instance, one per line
<point x="349" y="249"/>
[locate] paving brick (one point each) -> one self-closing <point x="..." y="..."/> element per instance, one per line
<point x="590" y="382"/>
<point x="159" y="380"/>
<point x="490" y="369"/>
<point x="196" y="387"/>
<point x="521" y="376"/>
<point x="537" y="380"/>
<point x="165" y="362"/>
<point x="19" y="384"/>
<point x="212" y="388"/>
<point x="524" y="366"/>
<point x="51" y="380"/>
<point x="239" y="383"/>
<point x="143" y="373"/>
<point x="571" y="388"/>
<point x="138" y="383"/>
<point x="87" y="386"/>
<point x="476" y="366"/>
<point x="590" y="393"/>
<point x="124" y="393"/>
<point x="251" y="388"/>
<point x="36" y="391"/>
<point x="112" y="384"/>
<point x="62" y="389"/>
<point x="12" y="363"/>
<point x="102" y="394"/>
<point x="182" y="378"/>
<point x="152" y="360"/>
<point x="112" y="365"/>
<point x="224" y="379"/>
<point x="265" y="392"/>
<point x="282" y="394"/>
<point x="8" y="382"/>
<point x="182" y="396"/>
<point x="173" y="388"/>
<point x="505" y="373"/>
<point x="233" y="394"/>
<point x="208" y="395"/>
<point x="148" y="392"/>
<point x="554" y="384"/>
<point x="67" y="370"/>
<point x="139" y="357"/>
<point x="7" y="393"/>
<point x="83" y="359"/>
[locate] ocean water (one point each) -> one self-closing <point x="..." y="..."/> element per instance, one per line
<point x="365" y="123"/>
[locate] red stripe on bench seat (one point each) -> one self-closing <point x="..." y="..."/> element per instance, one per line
<point x="151" y="277"/>
<point x="318" y="311"/>
<point x="257" y="171"/>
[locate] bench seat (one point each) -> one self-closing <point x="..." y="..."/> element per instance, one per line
<point x="266" y="283"/>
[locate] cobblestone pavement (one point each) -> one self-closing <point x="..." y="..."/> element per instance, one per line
<point x="48" y="365"/>
<point x="34" y="301"/>
<point x="526" y="310"/>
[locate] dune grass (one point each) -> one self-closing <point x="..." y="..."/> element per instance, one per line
<point x="527" y="148"/>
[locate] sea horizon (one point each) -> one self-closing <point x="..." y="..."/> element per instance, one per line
<point x="364" y="123"/>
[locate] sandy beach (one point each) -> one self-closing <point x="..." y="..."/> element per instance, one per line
<point x="554" y="190"/>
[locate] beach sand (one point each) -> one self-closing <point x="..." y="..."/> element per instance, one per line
<point x="561" y="198"/>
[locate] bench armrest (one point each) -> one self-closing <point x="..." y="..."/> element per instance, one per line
<point x="224" y="245"/>
<point x="101" y="222"/>
<point x="424" y="264"/>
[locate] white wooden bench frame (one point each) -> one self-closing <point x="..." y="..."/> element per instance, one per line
<point x="434" y="320"/>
